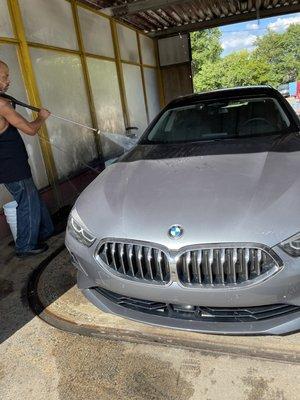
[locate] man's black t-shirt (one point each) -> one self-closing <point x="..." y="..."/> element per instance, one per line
<point x="13" y="157"/>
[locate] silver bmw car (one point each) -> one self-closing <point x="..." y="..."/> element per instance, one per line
<point x="197" y="227"/>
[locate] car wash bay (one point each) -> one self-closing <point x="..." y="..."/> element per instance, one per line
<point x="111" y="67"/>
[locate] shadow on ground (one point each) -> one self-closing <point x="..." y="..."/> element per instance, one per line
<point x="15" y="275"/>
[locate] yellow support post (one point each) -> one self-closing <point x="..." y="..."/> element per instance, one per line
<point x="86" y="75"/>
<point x="29" y="78"/>
<point x="162" y="98"/>
<point x="143" y="76"/>
<point x="120" y="73"/>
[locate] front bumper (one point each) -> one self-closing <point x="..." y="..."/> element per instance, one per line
<point x="282" y="288"/>
<point x="275" y="326"/>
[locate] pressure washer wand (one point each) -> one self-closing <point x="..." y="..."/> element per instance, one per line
<point x="20" y="103"/>
<point x="76" y="123"/>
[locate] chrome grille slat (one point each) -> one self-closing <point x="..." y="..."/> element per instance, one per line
<point x="105" y="251"/>
<point x="113" y="255"/>
<point x="148" y="262"/>
<point x="158" y="259"/>
<point x="216" y="264"/>
<point x="199" y="261"/>
<point x="233" y="264"/>
<point x="121" y="255"/>
<point x="210" y="264"/>
<point x="252" y="253"/>
<point x="219" y="270"/>
<point x="205" y="266"/>
<point x="223" y="266"/>
<point x="222" y="261"/>
<point x="194" y="267"/>
<point x="129" y="258"/>
<point x="186" y="262"/>
<point x="139" y="255"/>
<point x="259" y="257"/>
<point x="246" y="258"/>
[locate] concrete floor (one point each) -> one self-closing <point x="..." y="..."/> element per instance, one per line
<point x="38" y="361"/>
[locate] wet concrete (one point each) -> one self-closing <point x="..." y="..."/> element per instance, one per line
<point x="43" y="363"/>
<point x="6" y="288"/>
<point x="38" y="361"/>
<point x="128" y="374"/>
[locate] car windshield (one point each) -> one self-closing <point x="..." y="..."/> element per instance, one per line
<point x="217" y="120"/>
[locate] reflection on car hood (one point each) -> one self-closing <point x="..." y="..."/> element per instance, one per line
<point x="246" y="190"/>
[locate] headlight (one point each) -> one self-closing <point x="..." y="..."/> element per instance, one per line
<point x="79" y="233"/>
<point x="292" y="245"/>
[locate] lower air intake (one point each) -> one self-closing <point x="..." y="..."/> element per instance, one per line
<point x="200" y="313"/>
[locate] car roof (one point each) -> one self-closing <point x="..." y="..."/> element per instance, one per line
<point x="224" y="93"/>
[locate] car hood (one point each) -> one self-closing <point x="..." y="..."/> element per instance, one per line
<point x="246" y="190"/>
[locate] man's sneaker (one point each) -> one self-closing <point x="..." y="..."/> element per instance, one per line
<point x="33" y="252"/>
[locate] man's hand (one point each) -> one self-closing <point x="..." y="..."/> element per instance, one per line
<point x="44" y="114"/>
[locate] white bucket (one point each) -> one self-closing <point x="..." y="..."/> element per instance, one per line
<point x="10" y="212"/>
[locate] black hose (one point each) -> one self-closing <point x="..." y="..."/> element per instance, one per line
<point x="19" y="103"/>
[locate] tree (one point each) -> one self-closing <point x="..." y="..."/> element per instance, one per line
<point x="236" y="69"/>
<point x="282" y="52"/>
<point x="275" y="60"/>
<point x="209" y="77"/>
<point x="206" y="48"/>
<point x="241" y="69"/>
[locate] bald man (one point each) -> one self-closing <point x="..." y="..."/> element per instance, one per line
<point x="34" y="224"/>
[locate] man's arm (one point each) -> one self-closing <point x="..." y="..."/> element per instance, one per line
<point x="16" y="119"/>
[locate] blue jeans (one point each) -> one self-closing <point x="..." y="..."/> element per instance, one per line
<point x="34" y="223"/>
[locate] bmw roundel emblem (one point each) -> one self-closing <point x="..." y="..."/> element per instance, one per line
<point x="175" y="232"/>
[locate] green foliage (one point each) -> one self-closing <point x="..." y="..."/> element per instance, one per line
<point x="275" y="60"/>
<point x="240" y="69"/>
<point x="209" y="76"/>
<point x="282" y="52"/>
<point x="206" y="47"/>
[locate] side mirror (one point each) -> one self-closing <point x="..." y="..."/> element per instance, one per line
<point x="130" y="134"/>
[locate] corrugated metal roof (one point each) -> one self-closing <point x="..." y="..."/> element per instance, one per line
<point x="166" y="17"/>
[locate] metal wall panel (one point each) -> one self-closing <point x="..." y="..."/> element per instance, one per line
<point x="63" y="92"/>
<point x="6" y="29"/>
<point x="128" y="44"/>
<point x="147" y="49"/>
<point x="96" y="33"/>
<point x="152" y="91"/>
<point x="177" y="81"/>
<point x="175" y="60"/>
<point x="174" y="50"/>
<point x="49" y="22"/>
<point x="106" y="95"/>
<point x="135" y="97"/>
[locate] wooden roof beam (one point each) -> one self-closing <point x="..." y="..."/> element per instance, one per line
<point x="213" y="23"/>
<point x="143" y="6"/>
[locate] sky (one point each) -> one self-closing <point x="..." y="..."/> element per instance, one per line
<point x="243" y="35"/>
